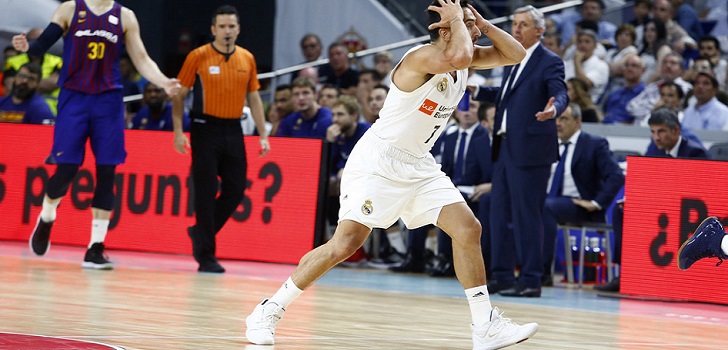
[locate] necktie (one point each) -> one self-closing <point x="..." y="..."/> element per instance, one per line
<point x="459" y="159"/>
<point x="557" y="183"/>
<point x="509" y="83"/>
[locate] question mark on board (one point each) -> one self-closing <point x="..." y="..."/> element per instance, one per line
<point x="270" y="169"/>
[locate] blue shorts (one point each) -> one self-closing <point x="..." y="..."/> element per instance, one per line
<point x="98" y="117"/>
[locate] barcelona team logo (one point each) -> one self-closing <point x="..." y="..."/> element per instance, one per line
<point x="81" y="16"/>
<point x="367" y="208"/>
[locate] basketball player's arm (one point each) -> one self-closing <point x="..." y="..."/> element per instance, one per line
<point x="455" y="52"/>
<point x="256" y="108"/>
<point x="138" y="54"/>
<point x="506" y="51"/>
<point x="181" y="143"/>
<point x="59" y="23"/>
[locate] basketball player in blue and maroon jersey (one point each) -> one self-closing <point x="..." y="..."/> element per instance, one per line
<point x="90" y="106"/>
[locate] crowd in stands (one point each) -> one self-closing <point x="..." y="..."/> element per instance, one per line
<point x="664" y="58"/>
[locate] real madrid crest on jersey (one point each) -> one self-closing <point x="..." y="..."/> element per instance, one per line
<point x="442" y="85"/>
<point x="367" y="208"/>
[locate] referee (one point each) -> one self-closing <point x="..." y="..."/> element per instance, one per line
<point x="223" y="75"/>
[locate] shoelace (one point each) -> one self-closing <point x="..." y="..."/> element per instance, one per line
<point x="702" y="254"/>
<point x="270" y="320"/>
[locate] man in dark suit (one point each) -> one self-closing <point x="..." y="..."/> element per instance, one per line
<point x="524" y="146"/>
<point x="669" y="142"/>
<point x="583" y="182"/>
<point x="466" y="159"/>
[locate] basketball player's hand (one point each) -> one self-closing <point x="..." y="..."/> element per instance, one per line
<point x="20" y="42"/>
<point x="264" y="146"/>
<point x="480" y="22"/>
<point x="449" y="11"/>
<point x="548" y="112"/>
<point x="333" y="132"/>
<point x="181" y="143"/>
<point x="171" y="87"/>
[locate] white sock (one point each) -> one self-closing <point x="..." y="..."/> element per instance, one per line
<point x="286" y="294"/>
<point x="396" y="241"/>
<point x="479" y="301"/>
<point x="99" y="227"/>
<point x="724" y="245"/>
<point x="48" y="213"/>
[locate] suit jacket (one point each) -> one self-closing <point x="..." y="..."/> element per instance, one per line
<point x="687" y="149"/>
<point x="478" y="166"/>
<point x="596" y="174"/>
<point x="531" y="142"/>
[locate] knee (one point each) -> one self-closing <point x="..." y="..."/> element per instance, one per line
<point x="472" y="232"/>
<point x="342" y="249"/>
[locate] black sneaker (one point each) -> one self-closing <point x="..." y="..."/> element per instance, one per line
<point x="40" y="241"/>
<point x="96" y="259"/>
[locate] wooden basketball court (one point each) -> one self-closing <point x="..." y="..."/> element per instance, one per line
<point x="156" y="301"/>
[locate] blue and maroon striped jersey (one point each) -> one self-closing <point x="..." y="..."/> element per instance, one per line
<point x="91" y="50"/>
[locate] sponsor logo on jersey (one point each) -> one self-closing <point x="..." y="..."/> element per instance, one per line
<point x="100" y="33"/>
<point x="113" y="19"/>
<point x="444" y="112"/>
<point x="214" y="70"/>
<point x="367" y="207"/>
<point x="428" y="106"/>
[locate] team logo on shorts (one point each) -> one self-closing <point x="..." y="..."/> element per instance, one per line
<point x="367" y="208"/>
<point x="442" y="85"/>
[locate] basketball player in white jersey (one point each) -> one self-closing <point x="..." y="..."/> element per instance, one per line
<point x="391" y="174"/>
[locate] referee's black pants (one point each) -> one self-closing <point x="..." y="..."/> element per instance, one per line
<point x="218" y="150"/>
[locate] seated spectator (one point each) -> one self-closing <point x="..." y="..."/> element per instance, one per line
<point x="615" y="107"/>
<point x="8" y="80"/>
<point x="311" y="51"/>
<point x="569" y="50"/>
<point x="486" y="116"/>
<point x="310" y="119"/>
<point x="710" y="47"/>
<point x="9" y="51"/>
<point x="367" y="79"/>
<point x="282" y="107"/>
<point x="588" y="67"/>
<point x="708" y="113"/>
<point x="327" y="95"/>
<point x="677" y="36"/>
<point x="591" y="10"/>
<point x="671" y="97"/>
<point x="24" y="105"/>
<point x="616" y="56"/>
<point x="312" y="74"/>
<point x="641" y="10"/>
<point x="641" y="106"/>
<point x="667" y="136"/>
<point x="383" y="64"/>
<point x="552" y="41"/>
<point x="701" y="64"/>
<point x="687" y="18"/>
<point x="338" y="72"/>
<point x="654" y="49"/>
<point x="132" y="85"/>
<point x="157" y="111"/>
<point x="579" y="94"/>
<point x="50" y="70"/>
<point x="583" y="182"/>
<point x="376" y="101"/>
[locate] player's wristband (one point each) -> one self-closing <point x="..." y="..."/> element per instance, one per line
<point x="44" y="42"/>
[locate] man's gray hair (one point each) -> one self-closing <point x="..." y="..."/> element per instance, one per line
<point x="536" y="15"/>
<point x="575" y="110"/>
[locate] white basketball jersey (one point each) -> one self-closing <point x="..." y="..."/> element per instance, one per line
<point x="412" y="121"/>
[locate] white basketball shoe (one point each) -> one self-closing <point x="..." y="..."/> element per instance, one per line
<point x="261" y="324"/>
<point x="500" y="332"/>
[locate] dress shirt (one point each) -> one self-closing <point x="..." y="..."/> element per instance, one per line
<point x="529" y="52"/>
<point x="673" y="152"/>
<point x="469" y="132"/>
<point x="713" y="115"/>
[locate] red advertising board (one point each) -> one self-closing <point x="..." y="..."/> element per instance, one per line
<point x="275" y="222"/>
<point x="665" y="201"/>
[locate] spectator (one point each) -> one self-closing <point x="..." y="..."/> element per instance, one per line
<point x="338" y="72"/>
<point x="710" y="48"/>
<point x="312" y="74"/>
<point x="50" y="68"/>
<point x="383" y="65"/>
<point x="579" y="94"/>
<point x="310" y="119"/>
<point x="591" y="10"/>
<point x="486" y="116"/>
<point x="130" y="79"/>
<point x="8" y="80"/>
<point x="24" y="105"/>
<point x="552" y="41"/>
<point x="654" y="49"/>
<point x="367" y="79"/>
<point x="157" y="111"/>
<point x="617" y="56"/>
<point x="327" y="95"/>
<point x="376" y="101"/>
<point x="670" y="70"/>
<point x="588" y="67"/>
<point x="701" y="64"/>
<point x="677" y="37"/>
<point x="583" y="182"/>
<point x="667" y="136"/>
<point x="615" y="107"/>
<point x="641" y="10"/>
<point x="311" y="51"/>
<point x="9" y="51"/>
<point x="687" y="18"/>
<point x="708" y="113"/>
